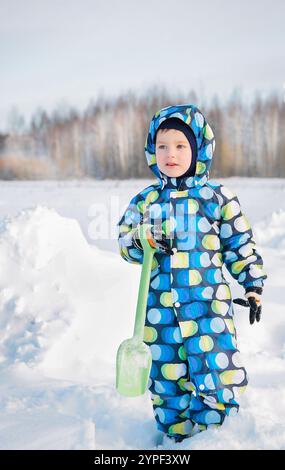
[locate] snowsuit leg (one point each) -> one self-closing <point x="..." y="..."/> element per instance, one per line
<point x="209" y="407"/>
<point x="179" y="408"/>
<point x="169" y="375"/>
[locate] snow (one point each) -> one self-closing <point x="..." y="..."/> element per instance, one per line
<point x="68" y="301"/>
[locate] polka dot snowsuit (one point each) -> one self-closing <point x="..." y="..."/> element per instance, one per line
<point x="196" y="375"/>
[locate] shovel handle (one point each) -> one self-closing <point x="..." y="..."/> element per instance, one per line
<point x="148" y="252"/>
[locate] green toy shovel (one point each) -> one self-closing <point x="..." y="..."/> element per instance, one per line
<point x="134" y="357"/>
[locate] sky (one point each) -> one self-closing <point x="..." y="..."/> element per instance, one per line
<point x="55" y="52"/>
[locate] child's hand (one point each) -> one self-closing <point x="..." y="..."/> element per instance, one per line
<point x="159" y="240"/>
<point x="255" y="306"/>
<point x="254" y="302"/>
<point x="156" y="239"/>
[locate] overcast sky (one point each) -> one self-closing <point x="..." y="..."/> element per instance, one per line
<point x="54" y="51"/>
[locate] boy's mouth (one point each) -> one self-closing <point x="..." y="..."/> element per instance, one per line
<point x="171" y="164"/>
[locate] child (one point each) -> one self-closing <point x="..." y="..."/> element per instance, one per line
<point x="197" y="227"/>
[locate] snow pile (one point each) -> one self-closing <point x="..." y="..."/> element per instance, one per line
<point x="63" y="316"/>
<point x="35" y="306"/>
<point x="58" y="299"/>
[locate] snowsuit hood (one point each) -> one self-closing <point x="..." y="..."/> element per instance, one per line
<point x="194" y="118"/>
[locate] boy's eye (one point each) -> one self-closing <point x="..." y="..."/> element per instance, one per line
<point x="162" y="146"/>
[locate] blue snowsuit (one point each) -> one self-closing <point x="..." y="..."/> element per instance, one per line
<point x="196" y="375"/>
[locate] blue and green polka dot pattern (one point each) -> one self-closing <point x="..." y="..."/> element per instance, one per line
<point x="182" y="405"/>
<point x="196" y="374"/>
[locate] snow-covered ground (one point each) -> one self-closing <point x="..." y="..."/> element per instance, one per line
<point x="67" y="300"/>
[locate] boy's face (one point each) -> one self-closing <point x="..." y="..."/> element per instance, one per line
<point x="173" y="152"/>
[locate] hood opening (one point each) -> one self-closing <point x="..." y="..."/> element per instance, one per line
<point x="205" y="140"/>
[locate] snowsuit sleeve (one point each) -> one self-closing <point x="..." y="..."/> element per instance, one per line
<point x="238" y="246"/>
<point x="127" y="226"/>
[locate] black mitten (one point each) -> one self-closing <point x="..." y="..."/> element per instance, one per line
<point x="157" y="237"/>
<point x="160" y="240"/>
<point x="253" y="303"/>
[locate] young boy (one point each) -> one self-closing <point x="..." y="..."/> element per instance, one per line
<point x="197" y="226"/>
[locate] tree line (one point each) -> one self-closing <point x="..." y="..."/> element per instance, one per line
<point x="106" y="140"/>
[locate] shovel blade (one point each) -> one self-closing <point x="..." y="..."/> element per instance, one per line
<point x="133" y="366"/>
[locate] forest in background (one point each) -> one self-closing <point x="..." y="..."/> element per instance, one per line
<point x="106" y="140"/>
